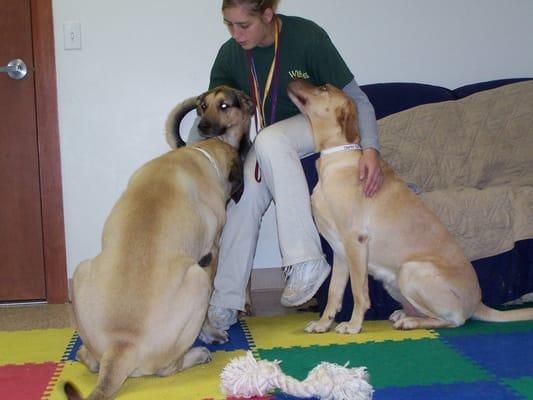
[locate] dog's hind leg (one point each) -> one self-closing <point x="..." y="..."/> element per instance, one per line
<point x="193" y="299"/>
<point x="84" y="356"/>
<point x="337" y="285"/>
<point x="432" y="301"/>
<point x="80" y="286"/>
<point x="195" y="356"/>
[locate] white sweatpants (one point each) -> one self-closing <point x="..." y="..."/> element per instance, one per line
<point x="278" y="148"/>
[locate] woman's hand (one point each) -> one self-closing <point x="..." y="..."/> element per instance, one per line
<point x="370" y="172"/>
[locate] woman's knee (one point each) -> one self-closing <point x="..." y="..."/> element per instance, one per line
<point x="255" y="198"/>
<point x="270" y="141"/>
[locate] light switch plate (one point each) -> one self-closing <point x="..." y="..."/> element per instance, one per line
<point x="72" y="35"/>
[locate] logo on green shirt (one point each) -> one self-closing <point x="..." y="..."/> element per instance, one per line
<point x="298" y="74"/>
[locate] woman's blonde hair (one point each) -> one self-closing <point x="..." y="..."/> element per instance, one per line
<point x="254" y="6"/>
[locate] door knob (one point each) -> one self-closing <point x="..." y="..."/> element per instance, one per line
<point x="16" y="69"/>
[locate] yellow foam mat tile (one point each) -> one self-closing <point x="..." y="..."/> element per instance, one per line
<point x="35" y="346"/>
<point x="288" y="331"/>
<point x="199" y="382"/>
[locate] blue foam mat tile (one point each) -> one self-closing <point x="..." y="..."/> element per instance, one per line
<point x="459" y="391"/>
<point x="71" y="352"/>
<point x="507" y="355"/>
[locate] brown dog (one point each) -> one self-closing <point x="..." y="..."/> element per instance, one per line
<point x="391" y="235"/>
<point x="140" y="304"/>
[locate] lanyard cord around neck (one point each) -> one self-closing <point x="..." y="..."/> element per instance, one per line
<point x="271" y="86"/>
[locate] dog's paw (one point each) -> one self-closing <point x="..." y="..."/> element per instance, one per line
<point x="397" y="315"/>
<point x="198" y="355"/>
<point x="211" y="335"/>
<point x="406" y="323"/>
<point x="204" y="355"/>
<point x="219" y="336"/>
<point x="317" y="327"/>
<point x="348" y="328"/>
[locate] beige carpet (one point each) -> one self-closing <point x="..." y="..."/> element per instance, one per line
<point x="40" y="316"/>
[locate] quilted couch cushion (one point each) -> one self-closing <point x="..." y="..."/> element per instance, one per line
<point x="477" y="141"/>
<point x="472" y="159"/>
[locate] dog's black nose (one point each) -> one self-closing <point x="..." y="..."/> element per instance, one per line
<point x="204" y="126"/>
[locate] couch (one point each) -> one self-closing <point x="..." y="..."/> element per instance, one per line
<point x="468" y="153"/>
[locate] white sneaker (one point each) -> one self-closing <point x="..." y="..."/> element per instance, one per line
<point x="221" y="317"/>
<point x="302" y="281"/>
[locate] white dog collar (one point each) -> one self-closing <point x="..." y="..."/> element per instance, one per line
<point x="210" y="158"/>
<point x="344" y="147"/>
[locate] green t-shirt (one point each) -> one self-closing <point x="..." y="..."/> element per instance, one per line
<point x="306" y="52"/>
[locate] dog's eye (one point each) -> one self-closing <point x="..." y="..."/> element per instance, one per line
<point x="324" y="88"/>
<point x="203" y="105"/>
<point x="224" y="106"/>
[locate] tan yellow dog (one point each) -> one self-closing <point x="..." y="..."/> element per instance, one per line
<point x="391" y="236"/>
<point x="140" y="304"/>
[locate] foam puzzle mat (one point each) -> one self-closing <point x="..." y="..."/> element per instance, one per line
<point x="477" y="361"/>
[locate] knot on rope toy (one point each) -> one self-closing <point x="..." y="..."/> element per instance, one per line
<point x="246" y="377"/>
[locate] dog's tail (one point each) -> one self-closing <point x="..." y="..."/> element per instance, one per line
<point x="117" y="363"/>
<point x="72" y="392"/>
<point x="484" y="313"/>
<point x="172" y="126"/>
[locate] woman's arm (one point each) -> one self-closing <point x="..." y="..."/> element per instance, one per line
<point x="369" y="166"/>
<point x="368" y="127"/>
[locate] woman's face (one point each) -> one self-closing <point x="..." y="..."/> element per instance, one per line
<point x="248" y="30"/>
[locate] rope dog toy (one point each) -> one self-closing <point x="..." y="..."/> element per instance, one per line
<point x="246" y="377"/>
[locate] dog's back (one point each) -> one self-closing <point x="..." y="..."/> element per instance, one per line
<point x="146" y="289"/>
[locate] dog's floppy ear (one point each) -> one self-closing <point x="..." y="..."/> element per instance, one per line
<point x="248" y="109"/>
<point x="246" y="103"/>
<point x="200" y="99"/>
<point x="172" y="126"/>
<point x="347" y="119"/>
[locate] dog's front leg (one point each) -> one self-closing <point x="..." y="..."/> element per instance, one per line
<point x="209" y="334"/>
<point x="357" y="254"/>
<point x="337" y="285"/>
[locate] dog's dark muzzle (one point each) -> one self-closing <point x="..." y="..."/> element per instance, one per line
<point x="209" y="129"/>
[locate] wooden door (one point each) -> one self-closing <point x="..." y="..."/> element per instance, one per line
<point x="30" y="268"/>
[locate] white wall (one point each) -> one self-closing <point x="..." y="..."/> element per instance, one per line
<point x="139" y="58"/>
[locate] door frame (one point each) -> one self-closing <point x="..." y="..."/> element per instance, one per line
<point x="54" y="250"/>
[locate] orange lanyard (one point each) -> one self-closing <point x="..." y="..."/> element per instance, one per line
<point x="272" y="82"/>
